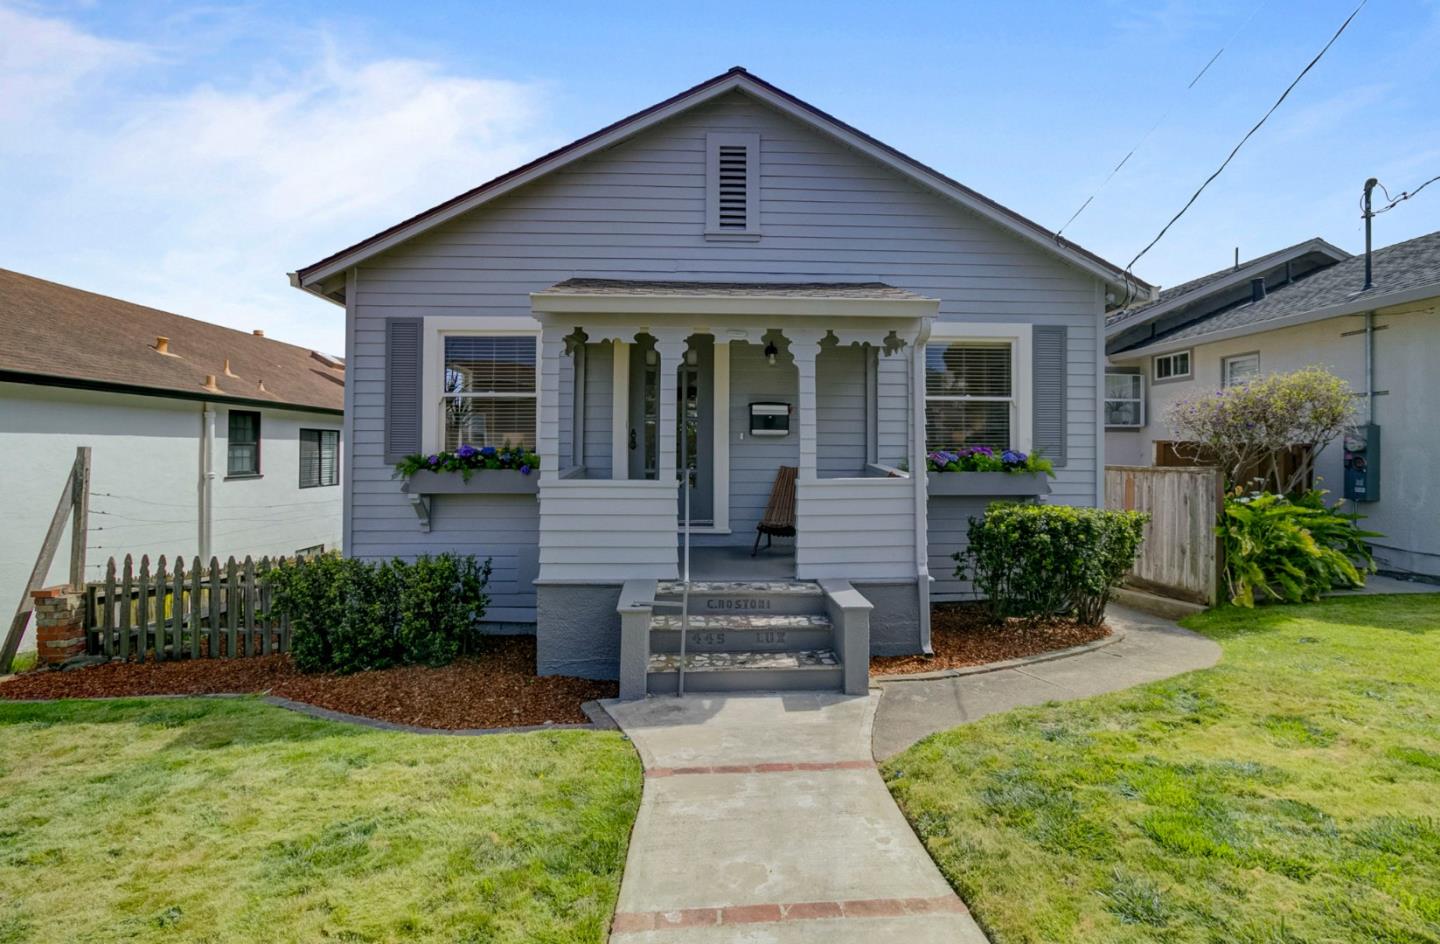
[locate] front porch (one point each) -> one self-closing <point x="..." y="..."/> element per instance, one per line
<point x="654" y="396"/>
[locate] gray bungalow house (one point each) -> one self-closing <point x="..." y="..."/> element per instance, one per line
<point x="724" y="285"/>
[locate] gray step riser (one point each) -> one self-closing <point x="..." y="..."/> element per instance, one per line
<point x="743" y="640"/>
<point x="750" y="680"/>
<point x="754" y="604"/>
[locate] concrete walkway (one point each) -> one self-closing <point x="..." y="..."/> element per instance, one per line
<point x="1153" y="648"/>
<point x="765" y="820"/>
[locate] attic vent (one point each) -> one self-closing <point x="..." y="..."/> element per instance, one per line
<point x="732" y="182"/>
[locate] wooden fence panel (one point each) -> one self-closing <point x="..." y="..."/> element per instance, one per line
<point x="209" y="612"/>
<point x="1181" y="555"/>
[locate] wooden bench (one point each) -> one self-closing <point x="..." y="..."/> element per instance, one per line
<point x="779" y="517"/>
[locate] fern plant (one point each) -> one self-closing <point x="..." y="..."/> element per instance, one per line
<point x="1291" y="551"/>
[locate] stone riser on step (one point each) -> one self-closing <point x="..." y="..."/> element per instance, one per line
<point x="828" y="679"/>
<point x="743" y="640"/>
<point x="715" y="605"/>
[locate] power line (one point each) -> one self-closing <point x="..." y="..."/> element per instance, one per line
<point x="1404" y="195"/>
<point x="1236" y="150"/>
<point x="1158" y="122"/>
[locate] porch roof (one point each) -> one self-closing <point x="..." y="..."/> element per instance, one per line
<point x="651" y="296"/>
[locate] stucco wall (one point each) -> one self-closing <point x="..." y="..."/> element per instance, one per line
<point x="145" y="472"/>
<point x="1407" y="346"/>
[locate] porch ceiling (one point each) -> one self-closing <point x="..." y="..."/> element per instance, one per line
<point x="632" y="297"/>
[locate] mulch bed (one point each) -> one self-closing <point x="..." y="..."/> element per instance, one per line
<point x="494" y="688"/>
<point x="962" y="636"/>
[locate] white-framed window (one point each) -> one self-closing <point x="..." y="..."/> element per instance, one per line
<point x="481" y="382"/>
<point x="977" y="387"/>
<point x="1175" y="366"/>
<point x="1124" y="400"/>
<point x="732" y="185"/>
<point x="1239" y="369"/>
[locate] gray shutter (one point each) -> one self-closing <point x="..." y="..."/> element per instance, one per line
<point x="403" y="348"/>
<point x="1048" y="374"/>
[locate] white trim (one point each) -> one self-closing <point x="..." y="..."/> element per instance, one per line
<point x="347" y="424"/>
<point x="433" y="357"/>
<point x="870" y="148"/>
<point x="582" y="303"/>
<point x="1105" y="398"/>
<point x="720" y="433"/>
<point x="1170" y="356"/>
<point x="620" y="411"/>
<point x="1229" y="360"/>
<point x="1022" y="392"/>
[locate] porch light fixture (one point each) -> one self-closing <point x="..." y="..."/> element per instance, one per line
<point x="692" y="357"/>
<point x="652" y="357"/>
<point x="770" y="352"/>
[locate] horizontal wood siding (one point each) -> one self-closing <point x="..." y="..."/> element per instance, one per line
<point x="840" y="412"/>
<point x="754" y="461"/>
<point x="948" y="520"/>
<point x="855" y="528"/>
<point x="606" y="530"/>
<point x="637" y="211"/>
<point x="599" y="407"/>
<point x="892" y="409"/>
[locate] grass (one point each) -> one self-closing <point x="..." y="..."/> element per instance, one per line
<point x="227" y="820"/>
<point x="1291" y="794"/>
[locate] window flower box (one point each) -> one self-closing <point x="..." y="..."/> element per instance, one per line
<point x="481" y="482"/>
<point x="988" y="484"/>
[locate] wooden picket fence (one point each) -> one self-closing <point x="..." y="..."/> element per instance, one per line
<point x="180" y="613"/>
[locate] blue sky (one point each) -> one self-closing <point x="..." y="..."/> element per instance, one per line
<point x="187" y="156"/>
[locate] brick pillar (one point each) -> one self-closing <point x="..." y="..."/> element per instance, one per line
<point x="59" y="624"/>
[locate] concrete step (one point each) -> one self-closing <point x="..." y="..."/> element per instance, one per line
<point x="747" y="596"/>
<point x="743" y="632"/>
<point x="804" y="670"/>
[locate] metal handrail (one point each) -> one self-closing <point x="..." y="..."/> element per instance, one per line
<point x="684" y="592"/>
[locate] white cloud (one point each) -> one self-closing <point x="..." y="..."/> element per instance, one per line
<point x="199" y="200"/>
<point x="46" y="62"/>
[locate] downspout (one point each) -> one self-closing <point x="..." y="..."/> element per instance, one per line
<point x="921" y="480"/>
<point x="207" y="480"/>
<point x="1370" y="186"/>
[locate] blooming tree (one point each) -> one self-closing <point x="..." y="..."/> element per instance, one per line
<point x="1250" y="425"/>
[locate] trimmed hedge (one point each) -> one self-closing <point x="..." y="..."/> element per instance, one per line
<point x="350" y="615"/>
<point x="1035" y="561"/>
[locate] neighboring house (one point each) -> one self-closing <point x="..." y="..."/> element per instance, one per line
<point x="1301" y="306"/>
<point x="204" y="440"/>
<point x="728" y="282"/>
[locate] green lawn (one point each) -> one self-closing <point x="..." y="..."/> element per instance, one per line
<point x="1291" y="794"/>
<point x="223" y="820"/>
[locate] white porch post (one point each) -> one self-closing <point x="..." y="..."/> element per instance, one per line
<point x="921" y="480"/>
<point x="620" y="410"/>
<point x="669" y="349"/>
<point x="804" y="348"/>
<point x="552" y="348"/>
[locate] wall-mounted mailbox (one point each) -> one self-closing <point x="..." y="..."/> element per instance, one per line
<point x="769" y="419"/>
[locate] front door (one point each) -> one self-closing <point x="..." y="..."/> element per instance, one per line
<point x="694" y="393"/>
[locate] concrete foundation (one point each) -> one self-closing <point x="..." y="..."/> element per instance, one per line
<point x="895" y="619"/>
<point x="577" y="630"/>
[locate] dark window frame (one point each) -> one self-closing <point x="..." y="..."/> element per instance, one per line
<point x="320" y="434"/>
<point x="230" y="443"/>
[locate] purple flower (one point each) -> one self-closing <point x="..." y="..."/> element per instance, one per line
<point x="467" y="452"/>
<point x="432" y="460"/>
<point x="487" y="451"/>
<point x="1011" y="457"/>
<point x="525" y="470"/>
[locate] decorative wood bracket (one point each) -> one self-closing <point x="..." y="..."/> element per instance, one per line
<point x="421" y="504"/>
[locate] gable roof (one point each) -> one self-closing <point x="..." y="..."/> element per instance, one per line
<point x="737" y="78"/>
<point x="1187" y="293"/>
<point x="62" y="336"/>
<point x="1403" y="272"/>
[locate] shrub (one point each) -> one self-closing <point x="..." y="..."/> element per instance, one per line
<point x="1249" y="425"/>
<point x="1034" y="561"/>
<point x="350" y="615"/>
<point x="1291" y="551"/>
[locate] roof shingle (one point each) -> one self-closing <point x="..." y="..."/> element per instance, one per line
<point x="56" y="331"/>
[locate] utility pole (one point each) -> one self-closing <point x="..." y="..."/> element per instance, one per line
<point x="1369" y="215"/>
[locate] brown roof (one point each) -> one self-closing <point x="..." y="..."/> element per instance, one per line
<point x="58" y="334"/>
<point x="1015" y="218"/>
<point x="863" y="290"/>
